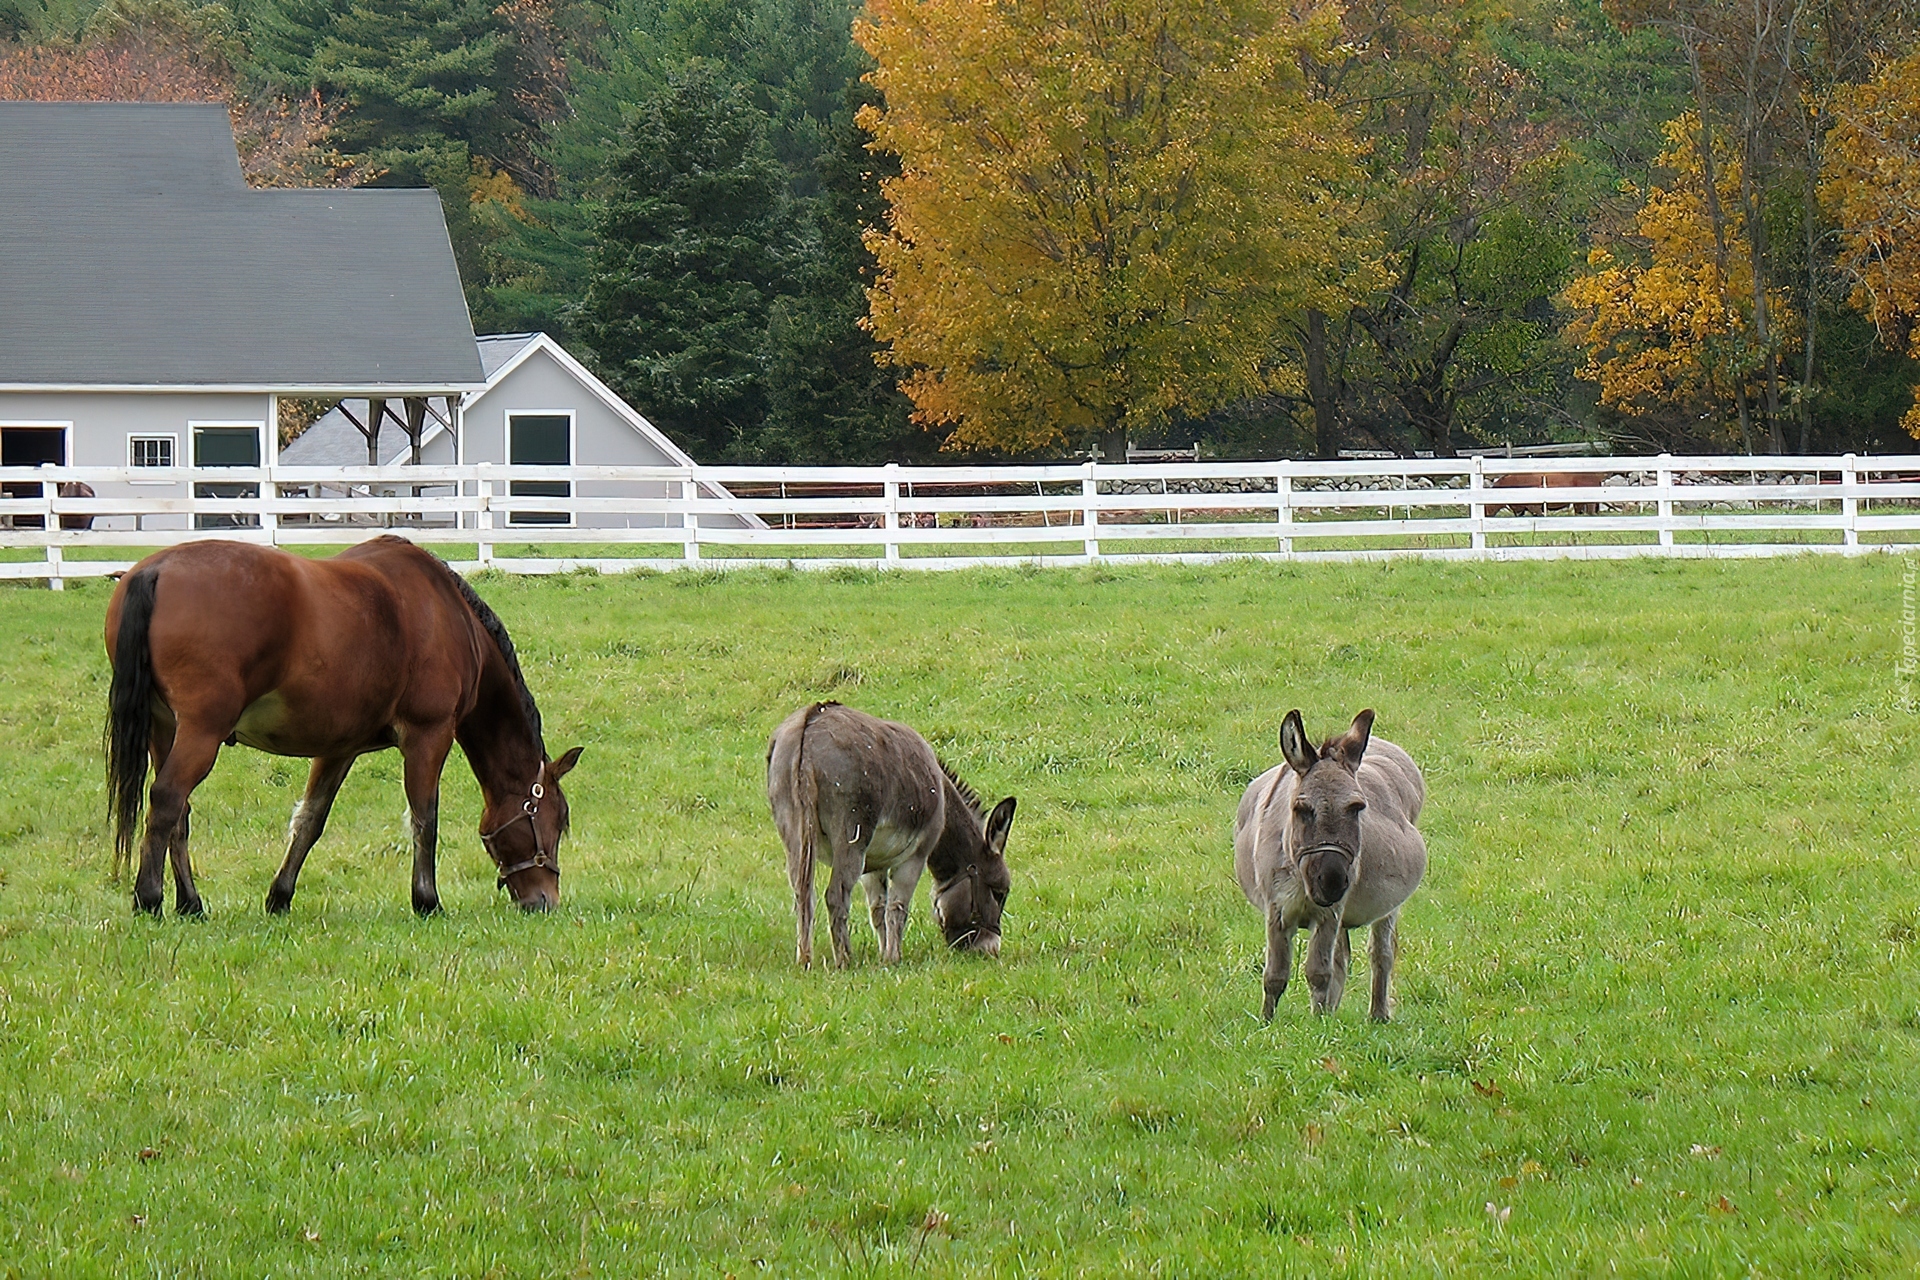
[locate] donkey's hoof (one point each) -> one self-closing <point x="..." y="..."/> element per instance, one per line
<point x="154" y="905"/>
<point x="278" y="904"/>
<point x="192" y="908"/>
<point x="425" y="905"/>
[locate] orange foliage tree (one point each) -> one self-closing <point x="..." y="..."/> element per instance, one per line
<point x="1104" y="208"/>
<point x="1871" y="184"/>
<point x="1674" y="330"/>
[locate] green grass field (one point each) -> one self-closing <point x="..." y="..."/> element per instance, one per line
<point x="1656" y="1004"/>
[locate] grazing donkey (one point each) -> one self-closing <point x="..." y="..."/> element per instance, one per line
<point x="869" y="798"/>
<point x="1327" y="840"/>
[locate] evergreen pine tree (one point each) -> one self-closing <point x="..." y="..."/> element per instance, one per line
<point x="693" y="247"/>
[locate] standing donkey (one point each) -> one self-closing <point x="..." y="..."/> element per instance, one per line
<point x="869" y="798"/>
<point x="1327" y="840"/>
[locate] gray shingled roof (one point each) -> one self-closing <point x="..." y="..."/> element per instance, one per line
<point x="132" y="254"/>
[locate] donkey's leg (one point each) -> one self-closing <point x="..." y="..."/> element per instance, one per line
<point x="848" y="862"/>
<point x="874" y="885"/>
<point x="190" y="760"/>
<point x="309" y="820"/>
<point x="1321" y="962"/>
<point x="1342" y="965"/>
<point x="425" y="751"/>
<point x="1279" y="959"/>
<point x="1384" y="939"/>
<point x="901" y="882"/>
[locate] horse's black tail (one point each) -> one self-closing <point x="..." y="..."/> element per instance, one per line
<point x="130" y="713"/>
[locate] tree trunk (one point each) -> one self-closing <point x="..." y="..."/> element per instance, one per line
<point x="1320" y="388"/>
<point x="1716" y="215"/>
<point x="1113" y="444"/>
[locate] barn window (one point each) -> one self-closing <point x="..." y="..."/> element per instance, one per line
<point x="150" y="451"/>
<point x="227" y="445"/>
<point x="540" y="440"/>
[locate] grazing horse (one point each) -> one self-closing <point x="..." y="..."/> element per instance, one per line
<point x="381" y="646"/>
<point x="1549" y="480"/>
<point x="1327" y="841"/>
<point x="886" y="809"/>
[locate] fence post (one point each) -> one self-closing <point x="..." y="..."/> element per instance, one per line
<point x="1283" y="493"/>
<point x="1476" y="503"/>
<point x="269" y="518"/>
<point x="50" y="526"/>
<point x="483" y="519"/>
<point x="1849" y="505"/>
<point x="1090" y="512"/>
<point x="893" y="515"/>
<point x="690" y="522"/>
<point x="1664" y="489"/>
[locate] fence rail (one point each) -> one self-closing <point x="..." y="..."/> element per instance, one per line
<point x="554" y="519"/>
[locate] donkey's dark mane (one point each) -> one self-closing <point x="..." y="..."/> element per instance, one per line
<point x="490" y="623"/>
<point x="966" y="792"/>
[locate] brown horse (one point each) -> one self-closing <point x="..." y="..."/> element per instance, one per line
<point x="1548" y="480"/>
<point x="381" y="646"/>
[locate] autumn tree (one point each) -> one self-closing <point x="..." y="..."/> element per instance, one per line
<point x="1103" y="210"/>
<point x="1675" y="330"/>
<point x="1871" y="182"/>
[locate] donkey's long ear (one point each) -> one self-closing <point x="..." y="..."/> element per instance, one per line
<point x="999" y="822"/>
<point x="1353" y="744"/>
<point x="1294" y="745"/>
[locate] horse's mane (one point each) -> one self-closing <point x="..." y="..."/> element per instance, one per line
<point x="490" y="623"/>
<point x="966" y="792"/>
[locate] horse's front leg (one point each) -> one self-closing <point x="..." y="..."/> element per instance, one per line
<point x="1324" y="974"/>
<point x="1279" y="959"/>
<point x="1385" y="940"/>
<point x="425" y="753"/>
<point x="188" y="762"/>
<point x="303" y="829"/>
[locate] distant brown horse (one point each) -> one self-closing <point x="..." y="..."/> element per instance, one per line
<point x="381" y="646"/>
<point x="1548" y="480"/>
<point x="870" y="799"/>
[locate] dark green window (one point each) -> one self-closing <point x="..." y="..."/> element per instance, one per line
<point x="540" y="440"/>
<point x="226" y="446"/>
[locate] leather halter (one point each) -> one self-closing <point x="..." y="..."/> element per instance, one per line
<point x="529" y="810"/>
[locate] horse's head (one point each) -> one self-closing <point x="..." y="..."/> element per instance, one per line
<point x="967" y="906"/>
<point x="1323" y="829"/>
<point x="522" y="834"/>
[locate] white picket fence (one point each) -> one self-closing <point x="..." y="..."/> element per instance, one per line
<point x="952" y="517"/>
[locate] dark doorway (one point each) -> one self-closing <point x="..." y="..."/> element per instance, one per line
<point x="30" y="447"/>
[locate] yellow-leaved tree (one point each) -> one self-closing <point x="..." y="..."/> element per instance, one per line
<point x="1104" y="208"/>
<point x="1870" y="182"/>
<point x="1673" y="331"/>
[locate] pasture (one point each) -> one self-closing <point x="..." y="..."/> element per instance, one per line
<point x="1656" y="1007"/>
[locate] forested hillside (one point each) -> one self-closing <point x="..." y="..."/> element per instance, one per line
<point x="829" y="230"/>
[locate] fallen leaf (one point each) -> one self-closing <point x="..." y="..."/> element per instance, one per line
<point x="1509" y="1182"/>
<point x="934" y="1221"/>
<point x="310" y="1236"/>
<point x="1488" y="1090"/>
<point x="1723" y="1205"/>
<point x="1004" y="1038"/>
<point x="1314" y="1135"/>
<point x="1331" y="1065"/>
<point x="137" y="1220"/>
<point x="1532" y="1167"/>
<point x="1708" y="1152"/>
<point x="1498" y="1214"/>
<point x="148" y="1153"/>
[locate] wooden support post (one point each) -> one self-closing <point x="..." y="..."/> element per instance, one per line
<point x="1663" y="481"/>
<point x="689" y="521"/>
<point x="892" y="491"/>
<point x="1849" y="504"/>
<point x="1090" y="512"/>
<point x="1283" y="491"/>
<point x="1477" y="504"/>
<point x="484" y="517"/>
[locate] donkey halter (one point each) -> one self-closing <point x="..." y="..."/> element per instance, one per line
<point x="529" y="810"/>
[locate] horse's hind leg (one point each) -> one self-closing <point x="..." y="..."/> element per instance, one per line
<point x="309" y="820"/>
<point x="188" y="762"/>
<point x="1385" y="940"/>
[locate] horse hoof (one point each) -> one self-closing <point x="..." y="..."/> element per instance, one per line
<point x="277" y="905"/>
<point x="191" y="908"/>
<point x="424" y="907"/>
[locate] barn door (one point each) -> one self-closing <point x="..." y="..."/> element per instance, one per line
<point x="30" y="447"/>
<point x="226" y="446"/>
<point x="540" y="440"/>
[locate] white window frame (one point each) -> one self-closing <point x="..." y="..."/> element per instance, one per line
<point x="573" y="456"/>
<point x="209" y="475"/>
<point x="173" y="440"/>
<point x="48" y="424"/>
